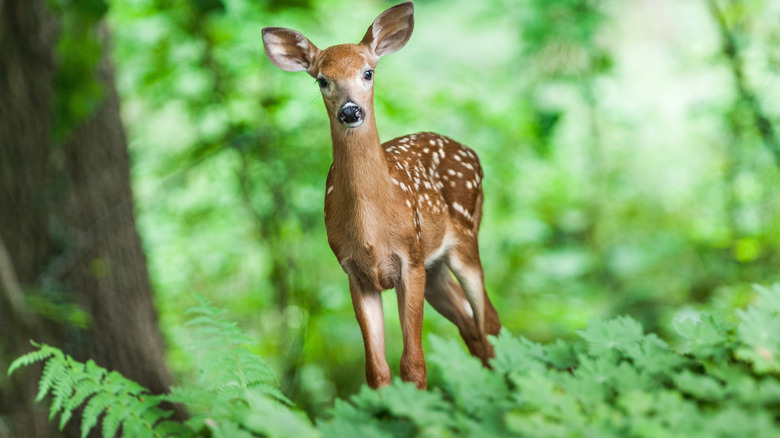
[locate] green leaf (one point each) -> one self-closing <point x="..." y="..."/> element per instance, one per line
<point x="517" y="355"/>
<point x="476" y="390"/>
<point x="759" y="331"/>
<point x="654" y="356"/>
<point x="704" y="388"/>
<point x="603" y="337"/>
<point x="705" y="337"/>
<point x="560" y="355"/>
<point x="768" y="298"/>
<point x="43" y="353"/>
<point x="271" y="418"/>
<point x="92" y="411"/>
<point x="403" y="400"/>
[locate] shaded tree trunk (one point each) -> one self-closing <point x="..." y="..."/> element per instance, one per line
<point x="68" y="236"/>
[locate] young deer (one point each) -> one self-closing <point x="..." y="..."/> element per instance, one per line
<point x="399" y="214"/>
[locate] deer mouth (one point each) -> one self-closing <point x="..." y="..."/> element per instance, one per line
<point x="351" y="115"/>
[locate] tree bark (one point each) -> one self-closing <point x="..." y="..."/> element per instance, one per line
<point x="68" y="236"/>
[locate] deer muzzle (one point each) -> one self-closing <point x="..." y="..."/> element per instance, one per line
<point x="351" y="115"/>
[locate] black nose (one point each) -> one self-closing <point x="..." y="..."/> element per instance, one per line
<point x="350" y="113"/>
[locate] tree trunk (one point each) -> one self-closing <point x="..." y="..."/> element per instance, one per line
<point x="68" y="237"/>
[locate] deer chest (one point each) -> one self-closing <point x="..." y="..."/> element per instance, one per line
<point x="363" y="248"/>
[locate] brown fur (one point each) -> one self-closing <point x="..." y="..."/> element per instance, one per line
<point x="401" y="214"/>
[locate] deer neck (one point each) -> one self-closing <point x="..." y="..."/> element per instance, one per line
<point x="360" y="172"/>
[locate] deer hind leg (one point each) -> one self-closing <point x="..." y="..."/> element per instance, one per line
<point x="467" y="267"/>
<point x="447" y="298"/>
<point x="368" y="311"/>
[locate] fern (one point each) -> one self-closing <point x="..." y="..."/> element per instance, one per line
<point x="32" y="357"/>
<point x="226" y="365"/>
<point x="235" y="394"/>
<point x="616" y="381"/>
<point x="235" y="389"/>
<point x="121" y="402"/>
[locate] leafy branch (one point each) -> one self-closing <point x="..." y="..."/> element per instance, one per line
<point x="731" y="51"/>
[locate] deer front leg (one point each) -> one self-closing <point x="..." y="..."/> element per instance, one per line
<point x="368" y="311"/>
<point x="411" y="299"/>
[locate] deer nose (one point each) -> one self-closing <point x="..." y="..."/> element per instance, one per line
<point x="351" y="114"/>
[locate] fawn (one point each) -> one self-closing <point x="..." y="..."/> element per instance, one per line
<point x="400" y="214"/>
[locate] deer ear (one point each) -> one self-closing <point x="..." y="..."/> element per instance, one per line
<point x="391" y="30"/>
<point x="288" y="49"/>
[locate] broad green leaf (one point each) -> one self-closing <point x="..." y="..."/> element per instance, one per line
<point x="616" y="334"/>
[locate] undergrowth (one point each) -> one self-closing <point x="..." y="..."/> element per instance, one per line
<point x="617" y="381"/>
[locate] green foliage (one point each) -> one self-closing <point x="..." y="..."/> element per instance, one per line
<point x="617" y="381"/>
<point x="234" y="394"/>
<point x="77" y="90"/>
<point x="235" y="390"/>
<point x="107" y="397"/>
<point x="758" y="330"/>
<point x="226" y="365"/>
<point x="622" y="173"/>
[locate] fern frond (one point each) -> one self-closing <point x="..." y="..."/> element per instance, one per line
<point x="44" y="352"/>
<point x="234" y="392"/>
<point x="53" y="369"/>
<point x="137" y="416"/>
<point x="108" y="395"/>
<point x="92" y="411"/>
<point x="226" y="365"/>
<point x="66" y="382"/>
<point x="82" y="390"/>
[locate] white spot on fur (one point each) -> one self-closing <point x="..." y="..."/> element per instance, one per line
<point x="459" y="208"/>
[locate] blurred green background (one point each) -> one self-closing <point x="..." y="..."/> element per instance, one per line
<point x="630" y="158"/>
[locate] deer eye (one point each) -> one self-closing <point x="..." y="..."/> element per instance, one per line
<point x="322" y="82"/>
<point x="368" y="75"/>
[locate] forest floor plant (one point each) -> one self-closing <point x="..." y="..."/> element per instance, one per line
<point x="722" y="381"/>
